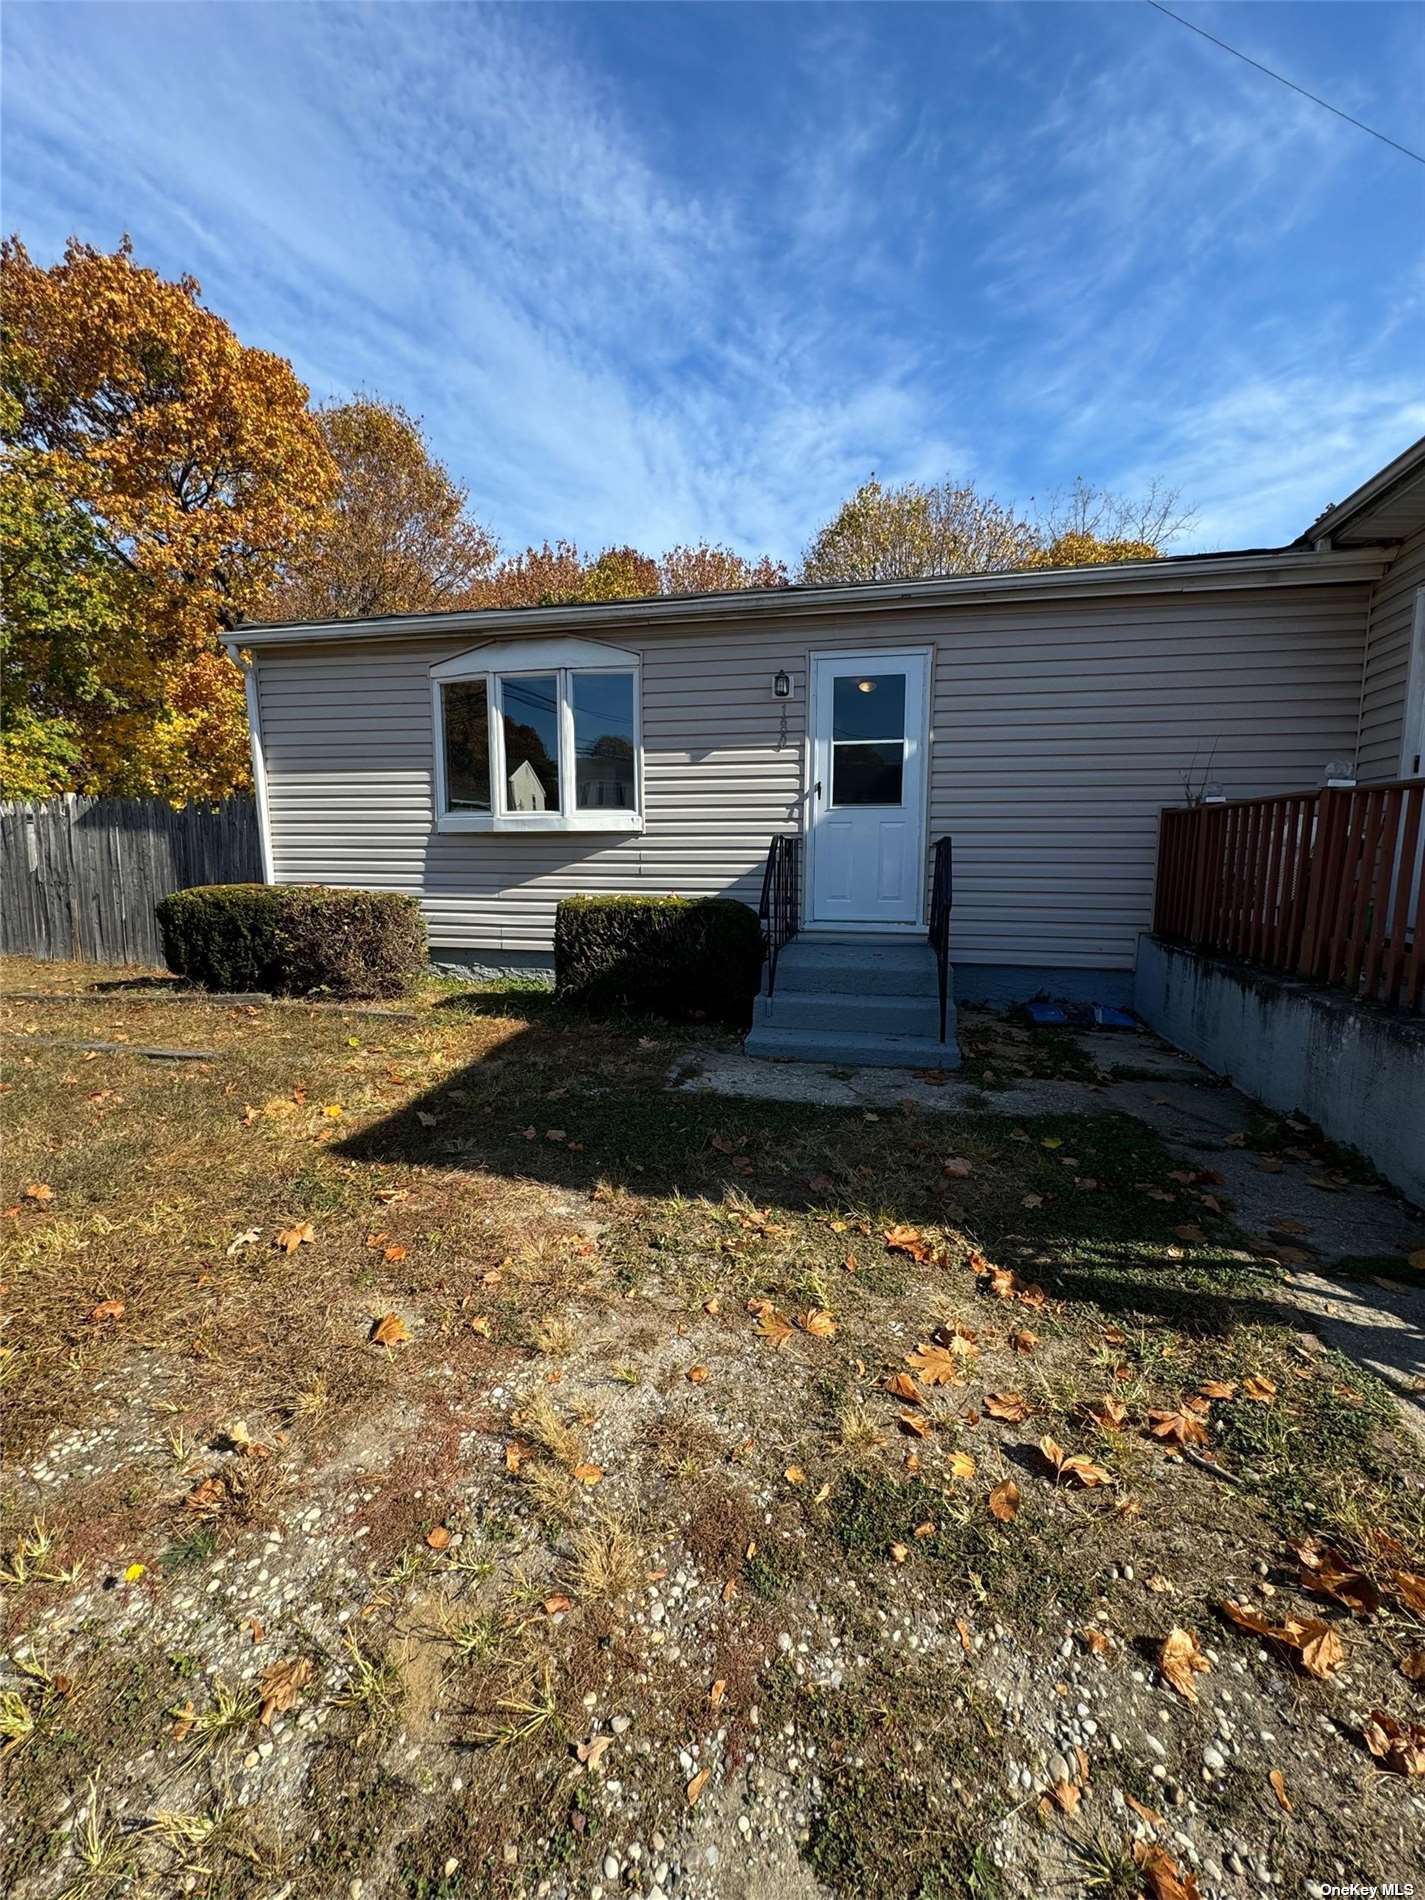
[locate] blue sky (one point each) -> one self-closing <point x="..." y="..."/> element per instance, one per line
<point x="656" y="272"/>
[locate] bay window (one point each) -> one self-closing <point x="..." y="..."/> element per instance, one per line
<point x="537" y="735"/>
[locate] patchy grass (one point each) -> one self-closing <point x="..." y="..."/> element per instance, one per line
<point x="543" y="1415"/>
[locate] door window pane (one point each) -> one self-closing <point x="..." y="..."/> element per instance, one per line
<point x="868" y="706"/>
<point x="867" y="774"/>
<point x="530" y="705"/>
<point x="467" y="746"/>
<point x="603" y="741"/>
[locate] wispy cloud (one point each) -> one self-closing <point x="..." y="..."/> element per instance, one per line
<point x="651" y="274"/>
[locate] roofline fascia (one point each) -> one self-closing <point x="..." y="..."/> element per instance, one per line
<point x="1373" y="490"/>
<point x="1278" y="567"/>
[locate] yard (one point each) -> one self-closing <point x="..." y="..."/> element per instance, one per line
<point x="445" y="1457"/>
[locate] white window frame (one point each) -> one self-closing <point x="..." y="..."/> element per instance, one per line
<point x="505" y="659"/>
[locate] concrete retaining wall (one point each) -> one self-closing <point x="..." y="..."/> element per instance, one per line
<point x="1356" y="1071"/>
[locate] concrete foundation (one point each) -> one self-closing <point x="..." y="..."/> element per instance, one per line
<point x="1358" y="1072"/>
<point x="1003" y="985"/>
<point x="478" y="966"/>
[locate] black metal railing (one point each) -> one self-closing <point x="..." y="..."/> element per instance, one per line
<point x="941" y="895"/>
<point x="779" y="905"/>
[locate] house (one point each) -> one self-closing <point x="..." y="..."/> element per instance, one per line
<point x="491" y="763"/>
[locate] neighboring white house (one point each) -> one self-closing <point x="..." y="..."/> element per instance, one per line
<point x="1039" y="718"/>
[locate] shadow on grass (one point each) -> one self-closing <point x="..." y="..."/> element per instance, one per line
<point x="580" y="1103"/>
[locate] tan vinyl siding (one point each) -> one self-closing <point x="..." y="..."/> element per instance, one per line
<point x="1058" y="731"/>
<point x="1392" y="615"/>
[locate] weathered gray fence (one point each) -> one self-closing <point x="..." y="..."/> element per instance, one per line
<point x="79" y="877"/>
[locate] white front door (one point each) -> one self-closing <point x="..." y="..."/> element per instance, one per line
<point x="866" y="857"/>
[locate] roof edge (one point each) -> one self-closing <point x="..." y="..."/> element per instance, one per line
<point x="1374" y="489"/>
<point x="1192" y="573"/>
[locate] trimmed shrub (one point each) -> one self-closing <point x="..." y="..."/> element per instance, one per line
<point x="670" y="956"/>
<point x="293" y="939"/>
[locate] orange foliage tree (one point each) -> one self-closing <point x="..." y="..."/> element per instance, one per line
<point x="196" y="470"/>
<point x="398" y="536"/>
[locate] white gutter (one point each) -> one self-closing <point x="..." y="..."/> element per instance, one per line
<point x="1278" y="567"/>
<point x="248" y="670"/>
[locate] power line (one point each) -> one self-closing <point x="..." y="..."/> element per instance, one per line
<point x="1325" y="104"/>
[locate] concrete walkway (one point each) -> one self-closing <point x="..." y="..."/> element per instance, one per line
<point x="1379" y="1323"/>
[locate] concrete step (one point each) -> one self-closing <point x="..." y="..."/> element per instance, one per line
<point x="837" y="1010"/>
<point x="847" y="1049"/>
<point x="875" y="967"/>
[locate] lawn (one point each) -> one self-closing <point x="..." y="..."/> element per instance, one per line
<point x="446" y="1459"/>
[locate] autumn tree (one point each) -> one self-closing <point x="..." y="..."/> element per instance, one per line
<point x="556" y="574"/>
<point x="917" y="530"/>
<point x="706" y="569"/>
<point x="163" y="473"/>
<point x="398" y="536"/>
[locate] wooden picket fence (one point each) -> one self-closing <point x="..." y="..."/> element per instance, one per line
<point x="79" y="877"/>
<point x="1326" y="885"/>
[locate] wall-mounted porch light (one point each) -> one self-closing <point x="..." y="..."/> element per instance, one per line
<point x="781" y="684"/>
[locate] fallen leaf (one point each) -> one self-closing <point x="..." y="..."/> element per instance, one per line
<point x="1325" y="1572"/>
<point x="1315" y="1645"/>
<point x="818" y="1322"/>
<point x="1012" y="1407"/>
<point x="289" y="1239"/>
<point x="1278" y="1784"/>
<point x="1073" y="1468"/>
<point x="588" y="1474"/>
<point x="1095" y="1640"/>
<point x="207" y="1497"/>
<point x="1179" y="1659"/>
<point x="961" y="1464"/>
<point x="1181" y="1427"/>
<point x="592" y="1752"/>
<point x="794" y="1475"/>
<point x="40" y="1192"/>
<point x="936" y="1365"/>
<point x="556" y="1606"/>
<point x="249" y="1238"/>
<point x="390" y="1330"/>
<point x="697" y="1375"/>
<point x="106" y="1309"/>
<point x="482" y="1325"/>
<point x="394" y="1253"/>
<point x="899" y="1553"/>
<point x="902" y="1386"/>
<point x="1162" y="1878"/>
<point x="1190" y="1232"/>
<point x="1412" y="1667"/>
<point x="182" y="1722"/>
<point x="281" y="1684"/>
<point x="774" y="1329"/>
<point x="1032" y="1200"/>
<point x="1004" y="1501"/>
<point x="1024" y="1340"/>
<point x="916" y="1427"/>
<point x="1410" y="1589"/>
<point x="906" y="1240"/>
<point x="1400" y="1745"/>
<point x="516" y="1451"/>
<point x="439" y="1538"/>
<point x="1218" y="1388"/>
<point x="697" y="1784"/>
<point x="1261" y="1390"/>
<point x="1144" y="1813"/>
<point x="716" y="1693"/>
<point x="957" y="1168"/>
<point x="1110" y="1414"/>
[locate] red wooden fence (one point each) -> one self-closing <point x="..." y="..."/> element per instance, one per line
<point x="1327" y="885"/>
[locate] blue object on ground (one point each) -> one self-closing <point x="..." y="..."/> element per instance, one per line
<point x="1046" y="1015"/>
<point x="1110" y="1016"/>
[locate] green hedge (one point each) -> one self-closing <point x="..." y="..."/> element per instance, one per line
<point x="670" y="956"/>
<point x="293" y="939"/>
